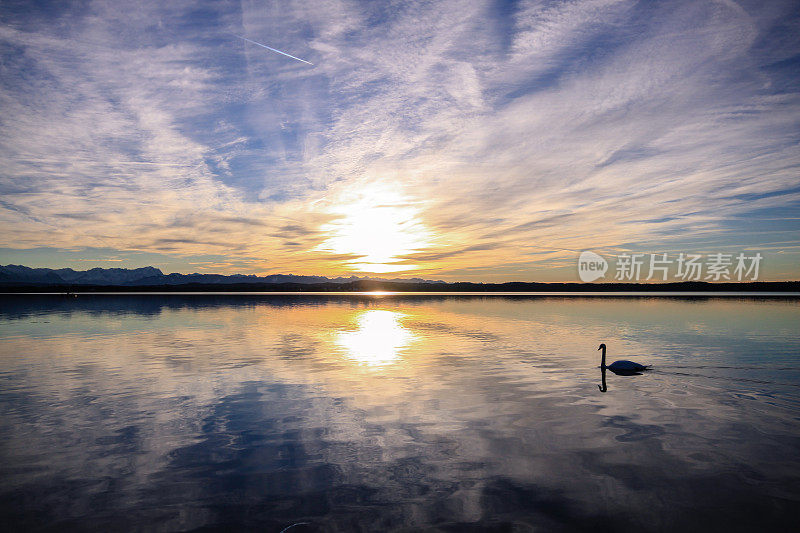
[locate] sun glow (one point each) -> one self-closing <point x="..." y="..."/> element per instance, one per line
<point x="378" y="227"/>
<point x="378" y="340"/>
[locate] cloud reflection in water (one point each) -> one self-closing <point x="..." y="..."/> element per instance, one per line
<point x="447" y="413"/>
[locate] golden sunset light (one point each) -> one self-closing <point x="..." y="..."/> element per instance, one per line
<point x="378" y="340"/>
<point x="317" y="266"/>
<point x="378" y="225"/>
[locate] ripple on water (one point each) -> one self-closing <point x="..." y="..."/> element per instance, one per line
<point x="341" y="414"/>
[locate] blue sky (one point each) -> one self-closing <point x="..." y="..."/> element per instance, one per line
<point x="452" y="140"/>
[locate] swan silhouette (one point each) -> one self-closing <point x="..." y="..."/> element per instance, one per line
<point x="620" y="366"/>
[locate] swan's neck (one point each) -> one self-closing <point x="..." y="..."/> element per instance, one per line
<point x="603" y="358"/>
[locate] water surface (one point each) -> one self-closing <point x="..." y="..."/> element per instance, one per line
<point x="381" y="413"/>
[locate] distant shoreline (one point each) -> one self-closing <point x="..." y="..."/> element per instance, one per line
<point x="787" y="288"/>
<point x="427" y="294"/>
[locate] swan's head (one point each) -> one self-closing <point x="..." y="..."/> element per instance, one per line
<point x="602" y="347"/>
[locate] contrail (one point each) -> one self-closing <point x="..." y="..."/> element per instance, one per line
<point x="268" y="48"/>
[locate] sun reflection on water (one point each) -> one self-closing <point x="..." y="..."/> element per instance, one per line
<point x="378" y="340"/>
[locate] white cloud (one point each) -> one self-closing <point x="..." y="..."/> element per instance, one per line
<point x="585" y="120"/>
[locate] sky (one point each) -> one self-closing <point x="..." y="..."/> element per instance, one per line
<point x="477" y="141"/>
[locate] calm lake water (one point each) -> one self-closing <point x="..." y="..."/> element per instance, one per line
<point x="381" y="413"/>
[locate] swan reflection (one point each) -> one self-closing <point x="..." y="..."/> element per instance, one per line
<point x="378" y="340"/>
<point x="603" y="387"/>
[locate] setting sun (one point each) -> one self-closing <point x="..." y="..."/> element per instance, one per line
<point x="379" y="226"/>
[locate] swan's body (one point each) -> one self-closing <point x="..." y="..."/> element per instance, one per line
<point x="627" y="366"/>
<point x="620" y="366"/>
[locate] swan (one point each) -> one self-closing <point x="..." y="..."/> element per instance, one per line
<point x="620" y="366"/>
